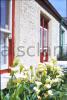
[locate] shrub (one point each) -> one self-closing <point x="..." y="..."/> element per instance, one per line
<point x="47" y="83"/>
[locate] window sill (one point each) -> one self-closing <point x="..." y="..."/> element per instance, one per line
<point x="5" y="71"/>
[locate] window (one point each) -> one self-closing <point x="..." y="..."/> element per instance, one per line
<point x="62" y="37"/>
<point x="43" y="43"/>
<point x="61" y="42"/>
<point x="43" y="38"/>
<point x="5" y="31"/>
<point x="62" y="47"/>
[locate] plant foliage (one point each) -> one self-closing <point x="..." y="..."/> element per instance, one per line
<point x="47" y="82"/>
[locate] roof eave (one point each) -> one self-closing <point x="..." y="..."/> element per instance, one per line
<point x="49" y="7"/>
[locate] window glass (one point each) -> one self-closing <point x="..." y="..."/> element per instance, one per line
<point x="62" y="37"/>
<point x="4" y="13"/>
<point x="5" y="9"/>
<point x="45" y="38"/>
<point x="41" y="37"/>
<point x="41" y="31"/>
<point x="3" y="49"/>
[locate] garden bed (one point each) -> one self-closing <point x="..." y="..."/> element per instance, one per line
<point x="47" y="82"/>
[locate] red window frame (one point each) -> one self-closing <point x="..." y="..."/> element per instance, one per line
<point x="42" y="53"/>
<point x="11" y="42"/>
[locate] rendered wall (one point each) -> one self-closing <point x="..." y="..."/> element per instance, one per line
<point x="27" y="31"/>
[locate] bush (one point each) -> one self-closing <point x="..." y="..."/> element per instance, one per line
<point x="47" y="83"/>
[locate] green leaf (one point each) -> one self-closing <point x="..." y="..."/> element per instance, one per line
<point x="7" y="97"/>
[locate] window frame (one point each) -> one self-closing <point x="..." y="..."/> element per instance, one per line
<point x="44" y="20"/>
<point x="7" y="31"/>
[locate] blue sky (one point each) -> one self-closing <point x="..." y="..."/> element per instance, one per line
<point x="60" y="5"/>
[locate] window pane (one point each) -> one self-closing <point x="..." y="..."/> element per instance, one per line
<point x="62" y="38"/>
<point x="5" y="22"/>
<point x="0" y="48"/>
<point x="3" y="49"/>
<point x="3" y="13"/>
<point x="41" y="31"/>
<point x="45" y="38"/>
